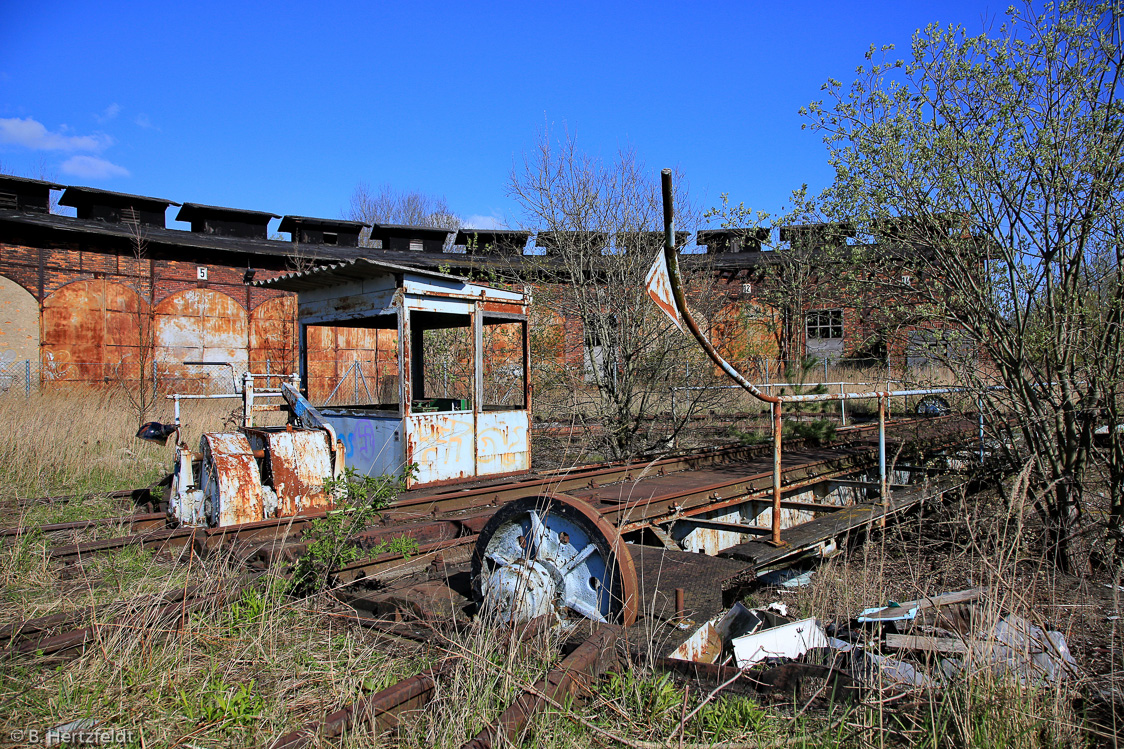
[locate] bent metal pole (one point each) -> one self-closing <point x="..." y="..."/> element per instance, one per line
<point x="665" y="287"/>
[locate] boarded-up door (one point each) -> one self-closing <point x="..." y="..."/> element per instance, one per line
<point x="94" y="332"/>
<point x="200" y="325"/>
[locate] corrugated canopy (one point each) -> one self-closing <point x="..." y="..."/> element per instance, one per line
<point x="353" y="270"/>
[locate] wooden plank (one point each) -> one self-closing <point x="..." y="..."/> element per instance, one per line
<point x="928" y="644"/>
<point x="945" y="599"/>
<point x="806" y="535"/>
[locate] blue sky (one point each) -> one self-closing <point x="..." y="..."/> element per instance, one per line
<point x="285" y="107"/>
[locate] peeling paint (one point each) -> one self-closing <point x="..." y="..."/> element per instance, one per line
<point x="231" y="479"/>
<point x="297" y="463"/>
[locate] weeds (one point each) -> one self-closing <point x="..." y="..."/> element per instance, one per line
<point x="223" y="703"/>
<point x="817" y="432"/>
<point x="266" y="663"/>
<point x="331" y="544"/>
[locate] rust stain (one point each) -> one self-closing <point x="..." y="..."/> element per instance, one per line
<point x="200" y="325"/>
<point x="437" y="443"/>
<point x="658" y="284"/>
<point x="93" y="331"/>
<point x="501" y="308"/>
<point x="273" y="335"/>
<point x="502" y="442"/>
<point x="331" y="350"/>
<point x="298" y="463"/>
<point x="705" y="646"/>
<point x="232" y="480"/>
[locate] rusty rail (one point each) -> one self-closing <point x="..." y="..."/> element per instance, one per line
<point x="381" y="709"/>
<point x="576" y="672"/>
<point x="77" y="638"/>
<point x="448" y="514"/>
<point x="144" y="521"/>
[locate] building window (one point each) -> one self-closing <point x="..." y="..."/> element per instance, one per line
<point x="824" y="324"/>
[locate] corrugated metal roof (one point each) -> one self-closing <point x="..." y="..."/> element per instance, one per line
<point x="351" y="270"/>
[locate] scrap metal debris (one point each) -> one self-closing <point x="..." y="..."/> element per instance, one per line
<point x="921" y="644"/>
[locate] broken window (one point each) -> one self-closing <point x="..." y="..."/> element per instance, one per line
<point x="441" y="361"/>
<point x="824" y="324"/>
<point x="504" y="364"/>
<point x="599" y="359"/>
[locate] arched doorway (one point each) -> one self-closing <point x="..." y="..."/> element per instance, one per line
<point x="94" y="331"/>
<point x="200" y="325"/>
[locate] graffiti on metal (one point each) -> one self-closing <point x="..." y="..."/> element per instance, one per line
<point x="441" y="446"/>
<point x="501" y="442"/>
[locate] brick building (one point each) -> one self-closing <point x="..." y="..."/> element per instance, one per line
<point x="102" y="295"/>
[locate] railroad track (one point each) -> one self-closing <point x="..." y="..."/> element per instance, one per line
<point x="631" y="495"/>
<point x="446" y="523"/>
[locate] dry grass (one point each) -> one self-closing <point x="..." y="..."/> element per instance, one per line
<point x="980" y="542"/>
<point x="71" y="441"/>
<point x="242" y="673"/>
<point x="79" y="441"/>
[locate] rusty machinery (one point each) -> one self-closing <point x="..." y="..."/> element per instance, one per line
<point x="255" y="473"/>
<point x="538" y="556"/>
<point x="541" y="555"/>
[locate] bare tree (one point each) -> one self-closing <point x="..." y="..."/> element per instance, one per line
<point x="387" y="205"/>
<point x="134" y="376"/>
<point x="617" y="356"/>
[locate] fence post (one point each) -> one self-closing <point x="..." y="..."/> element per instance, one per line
<point x="979" y="411"/>
<point x="883" y="483"/>
<point x="778" y="430"/>
<point x="27" y="378"/>
<point x="155" y="371"/>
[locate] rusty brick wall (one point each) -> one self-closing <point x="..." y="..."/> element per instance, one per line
<point x="95" y="315"/>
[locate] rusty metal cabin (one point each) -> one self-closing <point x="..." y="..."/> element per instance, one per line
<point x="463" y="397"/>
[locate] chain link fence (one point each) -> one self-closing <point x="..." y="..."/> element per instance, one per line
<point x="376" y="381"/>
<point x="18" y="375"/>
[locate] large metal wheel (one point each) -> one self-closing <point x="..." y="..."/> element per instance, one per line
<point x="554" y="556"/>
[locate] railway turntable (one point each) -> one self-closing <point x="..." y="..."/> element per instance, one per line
<point x="450" y="414"/>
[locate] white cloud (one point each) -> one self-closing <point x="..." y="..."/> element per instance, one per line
<point x="91" y="167"/>
<point x="143" y="121"/>
<point x="484" y="222"/>
<point x="32" y="134"/>
<point x="108" y="113"/>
